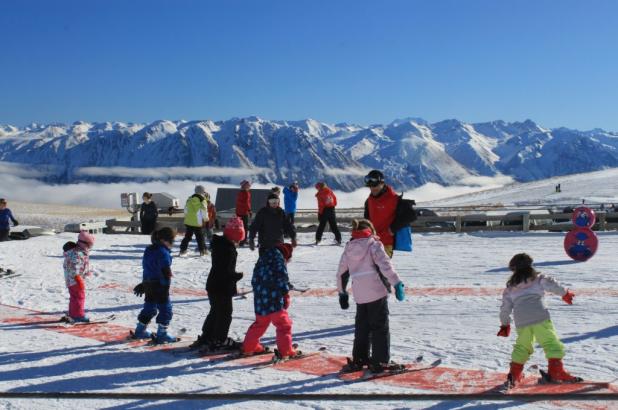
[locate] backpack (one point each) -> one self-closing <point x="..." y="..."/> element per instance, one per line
<point x="405" y="213"/>
<point x="68" y="246"/>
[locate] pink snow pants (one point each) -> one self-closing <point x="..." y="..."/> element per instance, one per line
<point x="282" y="323"/>
<point x="77" y="301"/>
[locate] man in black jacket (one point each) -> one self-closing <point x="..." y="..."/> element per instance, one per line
<point x="270" y="224"/>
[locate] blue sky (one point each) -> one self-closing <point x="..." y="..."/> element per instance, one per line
<point x="333" y="60"/>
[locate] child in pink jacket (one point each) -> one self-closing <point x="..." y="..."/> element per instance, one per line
<point x="76" y="268"/>
<point x="367" y="263"/>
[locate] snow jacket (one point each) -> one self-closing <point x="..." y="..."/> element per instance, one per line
<point x="212" y="215"/>
<point x="270" y="224"/>
<point x="270" y="282"/>
<point x="526" y="301"/>
<point x="223" y="276"/>
<point x="157" y="265"/>
<point x="289" y="200"/>
<point x="381" y="211"/>
<point x="365" y="259"/>
<point x="326" y="199"/>
<point x="243" y="203"/>
<point x="76" y="263"/>
<point x="148" y="212"/>
<point x="196" y="211"/>
<point x="5" y="216"/>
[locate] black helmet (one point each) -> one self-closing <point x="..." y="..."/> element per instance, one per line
<point x="374" y="178"/>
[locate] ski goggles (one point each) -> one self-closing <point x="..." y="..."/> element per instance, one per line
<point x="372" y="181"/>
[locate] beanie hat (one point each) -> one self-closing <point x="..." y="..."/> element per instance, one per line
<point x="234" y="230"/>
<point x="86" y="238"/>
<point x="320" y="185"/>
<point x="272" y="195"/>
<point x="285" y="249"/>
<point x="244" y="182"/>
<point x="200" y="190"/>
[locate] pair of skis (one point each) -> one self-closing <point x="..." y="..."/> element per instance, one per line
<point x="72" y="322"/>
<point x="392" y="369"/>
<point x="8" y="273"/>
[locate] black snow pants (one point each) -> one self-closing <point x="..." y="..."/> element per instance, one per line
<point x="328" y="215"/>
<point x="199" y="237"/>
<point x="217" y="323"/>
<point x="371" y="331"/>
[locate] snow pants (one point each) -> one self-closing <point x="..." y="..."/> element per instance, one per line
<point x="245" y="222"/>
<point x="282" y="323"/>
<point x="199" y="237"/>
<point x="371" y="331"/>
<point x="148" y="225"/>
<point x="4" y="234"/>
<point x="545" y="334"/>
<point x="217" y="323"/>
<point x="150" y="310"/>
<point x="328" y="215"/>
<point x="77" y="301"/>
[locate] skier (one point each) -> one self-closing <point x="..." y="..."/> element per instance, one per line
<point x="386" y="210"/>
<point x="148" y="214"/>
<point x="327" y="201"/>
<point x="156" y="281"/>
<point x="523" y="296"/>
<point x="270" y="224"/>
<point x="76" y="269"/>
<point x="212" y="217"/>
<point x="196" y="214"/>
<point x="243" y="205"/>
<point x="272" y="299"/>
<point x="221" y="287"/>
<point x="5" y="216"/>
<point x="290" y="196"/>
<point x="366" y="262"/>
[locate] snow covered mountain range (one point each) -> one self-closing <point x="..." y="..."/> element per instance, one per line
<point x="411" y="152"/>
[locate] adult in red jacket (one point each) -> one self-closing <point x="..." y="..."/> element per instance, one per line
<point x="243" y="206"/>
<point x="327" y="201"/>
<point x="381" y="208"/>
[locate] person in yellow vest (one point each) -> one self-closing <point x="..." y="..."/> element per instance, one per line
<point x="196" y="214"/>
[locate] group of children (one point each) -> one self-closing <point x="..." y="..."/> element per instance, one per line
<point x="364" y="261"/>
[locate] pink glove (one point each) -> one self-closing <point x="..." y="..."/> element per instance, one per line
<point x="505" y="331"/>
<point x="80" y="282"/>
<point x="568" y="297"/>
<point x="286" y="301"/>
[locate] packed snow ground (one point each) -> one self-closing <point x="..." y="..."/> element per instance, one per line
<point x="458" y="325"/>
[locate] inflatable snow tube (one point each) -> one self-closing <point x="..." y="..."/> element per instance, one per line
<point x="583" y="217"/>
<point x="581" y="244"/>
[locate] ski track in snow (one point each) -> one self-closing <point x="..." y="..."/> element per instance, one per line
<point x="451" y="312"/>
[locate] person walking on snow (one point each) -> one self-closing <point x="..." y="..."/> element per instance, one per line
<point x="524" y="297"/>
<point x="381" y="207"/>
<point x="221" y="287"/>
<point x="156" y="282"/>
<point x="327" y="201"/>
<point x="270" y="224"/>
<point x="243" y="205"/>
<point x="76" y="269"/>
<point x="290" y="197"/>
<point x="271" y="301"/>
<point x="196" y="215"/>
<point x="148" y="214"/>
<point x="5" y="216"/>
<point x="366" y="262"/>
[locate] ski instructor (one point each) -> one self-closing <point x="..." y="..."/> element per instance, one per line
<point x="381" y="209"/>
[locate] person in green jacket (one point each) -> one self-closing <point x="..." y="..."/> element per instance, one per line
<point x="196" y="214"/>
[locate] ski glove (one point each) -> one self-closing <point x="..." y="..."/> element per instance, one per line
<point x="399" y="292"/>
<point x="505" y="331"/>
<point x="15" y="223"/>
<point x="80" y="282"/>
<point x="294" y="243"/>
<point x="139" y="290"/>
<point x="568" y="297"/>
<point x="286" y="301"/>
<point x="344" y="300"/>
<point x="252" y="244"/>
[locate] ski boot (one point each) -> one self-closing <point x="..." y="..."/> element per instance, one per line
<point x="557" y="374"/>
<point x="228" y="344"/>
<point x="81" y="319"/>
<point x="515" y="375"/>
<point x="390" y="367"/>
<point x="258" y="350"/>
<point x="353" y="365"/>
<point x="141" y="331"/>
<point x="164" y="337"/>
<point x="200" y="343"/>
<point x="182" y="253"/>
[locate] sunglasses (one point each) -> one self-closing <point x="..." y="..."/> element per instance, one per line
<point x="372" y="181"/>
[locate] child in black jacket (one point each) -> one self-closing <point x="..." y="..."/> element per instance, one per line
<point x="221" y="288"/>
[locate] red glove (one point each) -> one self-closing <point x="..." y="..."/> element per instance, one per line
<point x="80" y="282"/>
<point x="568" y="297"/>
<point x="505" y="331"/>
<point x="286" y="301"/>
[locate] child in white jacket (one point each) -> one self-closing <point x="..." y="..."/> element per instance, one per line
<point x="524" y="296"/>
<point x="367" y="263"/>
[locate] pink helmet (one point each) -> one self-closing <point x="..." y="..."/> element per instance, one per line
<point x="86" y="238"/>
<point x="234" y="230"/>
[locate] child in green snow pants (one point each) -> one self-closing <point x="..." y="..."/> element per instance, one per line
<point x="545" y="335"/>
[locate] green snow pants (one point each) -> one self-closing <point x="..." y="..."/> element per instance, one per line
<point x="546" y="336"/>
